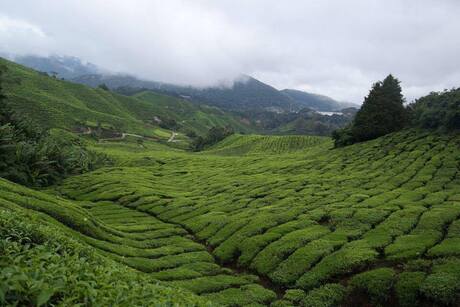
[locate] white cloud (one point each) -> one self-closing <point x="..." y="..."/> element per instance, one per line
<point x="19" y="36"/>
<point x="338" y="48"/>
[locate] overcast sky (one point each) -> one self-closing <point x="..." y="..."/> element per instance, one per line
<point x="336" y="47"/>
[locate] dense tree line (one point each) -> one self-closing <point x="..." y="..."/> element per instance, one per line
<point x="214" y="135"/>
<point x="437" y="110"/>
<point x="32" y="156"/>
<point x="304" y="121"/>
<point x="383" y="112"/>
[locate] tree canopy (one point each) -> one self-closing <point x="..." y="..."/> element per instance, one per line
<point x="32" y="156"/>
<point x="437" y="110"/>
<point x="382" y="112"/>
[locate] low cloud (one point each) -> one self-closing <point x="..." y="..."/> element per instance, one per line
<point x="337" y="48"/>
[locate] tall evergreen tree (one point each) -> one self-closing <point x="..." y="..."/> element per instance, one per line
<point x="382" y="112"/>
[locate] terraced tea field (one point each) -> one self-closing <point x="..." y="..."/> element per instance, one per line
<point x="261" y="220"/>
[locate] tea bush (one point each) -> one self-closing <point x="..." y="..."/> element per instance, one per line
<point x="377" y="284"/>
<point x="300" y="219"/>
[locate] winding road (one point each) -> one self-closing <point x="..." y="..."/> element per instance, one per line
<point x="173" y="135"/>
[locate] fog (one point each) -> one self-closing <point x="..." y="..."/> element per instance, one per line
<point x="336" y="48"/>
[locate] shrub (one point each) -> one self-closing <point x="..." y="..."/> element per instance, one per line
<point x="350" y="257"/>
<point x="443" y="285"/>
<point x="329" y="295"/>
<point x="42" y="265"/>
<point x="408" y="288"/>
<point x="376" y="283"/>
<point x="294" y="295"/>
<point x="245" y="295"/>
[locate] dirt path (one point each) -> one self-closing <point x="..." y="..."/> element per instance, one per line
<point x="123" y="135"/>
<point x="173" y="135"/>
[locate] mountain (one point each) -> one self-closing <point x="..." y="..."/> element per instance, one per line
<point x="63" y="66"/>
<point x="316" y="102"/>
<point x="246" y="93"/>
<point x="52" y="102"/>
<point x="248" y="105"/>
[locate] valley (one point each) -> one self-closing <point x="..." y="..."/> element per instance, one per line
<point x="146" y="198"/>
<point x="239" y="224"/>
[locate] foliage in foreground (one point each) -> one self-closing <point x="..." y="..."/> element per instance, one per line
<point x="34" y="157"/>
<point x="43" y="266"/>
<point x="299" y="214"/>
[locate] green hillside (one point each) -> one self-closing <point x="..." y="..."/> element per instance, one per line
<point x="246" y="93"/>
<point x="371" y="223"/>
<point x="199" y="118"/>
<point x="46" y="261"/>
<point x="315" y="101"/>
<point x="55" y="103"/>
<point x="258" y="144"/>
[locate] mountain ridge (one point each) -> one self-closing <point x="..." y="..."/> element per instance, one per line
<point x="245" y="92"/>
<point x="317" y="102"/>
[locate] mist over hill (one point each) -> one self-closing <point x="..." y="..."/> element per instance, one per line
<point x="317" y="102"/>
<point x="243" y="93"/>
<point x="62" y="66"/>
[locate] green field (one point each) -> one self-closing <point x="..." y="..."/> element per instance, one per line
<point x="259" y="220"/>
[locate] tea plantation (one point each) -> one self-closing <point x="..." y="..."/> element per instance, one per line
<point x="55" y="103"/>
<point x="255" y="220"/>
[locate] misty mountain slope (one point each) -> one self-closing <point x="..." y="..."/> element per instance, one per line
<point x="315" y="101"/>
<point x="64" y="66"/>
<point x="247" y="100"/>
<point x="246" y="93"/>
<point x="115" y="81"/>
<point x="191" y="117"/>
<point x="55" y="103"/>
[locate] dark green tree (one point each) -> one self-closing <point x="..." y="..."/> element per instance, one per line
<point x="30" y="155"/>
<point x="214" y="135"/>
<point x="382" y="112"/>
<point x="104" y="87"/>
<point x="437" y="110"/>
